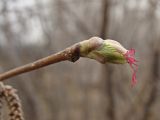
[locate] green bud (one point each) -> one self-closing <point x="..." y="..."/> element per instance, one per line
<point x="103" y="50"/>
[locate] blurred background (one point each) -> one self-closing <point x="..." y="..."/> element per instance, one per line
<point x="85" y="90"/>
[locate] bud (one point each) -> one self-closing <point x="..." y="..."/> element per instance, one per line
<point x="103" y="50"/>
<point x="109" y="51"/>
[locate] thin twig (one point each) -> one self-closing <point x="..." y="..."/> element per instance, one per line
<point x="71" y="54"/>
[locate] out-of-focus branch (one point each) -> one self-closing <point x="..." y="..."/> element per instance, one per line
<point x="104" y="33"/>
<point x="93" y="48"/>
<point x="154" y="88"/>
<point x="105" y="18"/>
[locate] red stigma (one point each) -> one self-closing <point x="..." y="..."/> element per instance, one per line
<point x="132" y="62"/>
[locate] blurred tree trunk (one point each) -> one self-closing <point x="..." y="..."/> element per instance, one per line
<point x="108" y="88"/>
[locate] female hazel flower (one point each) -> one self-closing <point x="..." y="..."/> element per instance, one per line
<point x="129" y="55"/>
<point x="109" y="51"/>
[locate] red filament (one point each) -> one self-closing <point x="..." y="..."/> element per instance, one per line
<point x="132" y="62"/>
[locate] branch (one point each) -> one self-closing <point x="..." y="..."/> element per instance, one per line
<point x="67" y="54"/>
<point x="94" y="48"/>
